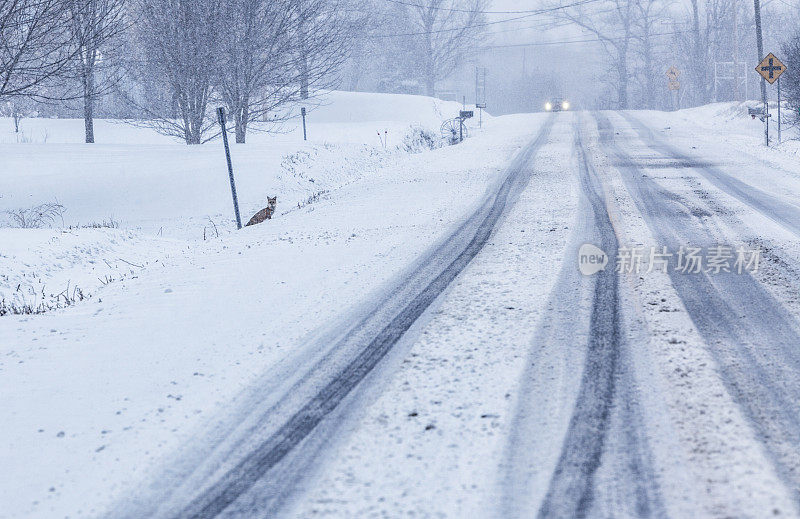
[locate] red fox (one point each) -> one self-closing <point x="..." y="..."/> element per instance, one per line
<point x="266" y="213"/>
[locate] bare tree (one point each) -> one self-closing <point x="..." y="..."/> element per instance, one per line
<point x="791" y="78"/>
<point x="276" y="52"/>
<point x="648" y="17"/>
<point x="449" y="30"/>
<point x="611" y="22"/>
<point x="256" y="60"/>
<point x="178" y="45"/>
<point x="381" y="51"/>
<point x="710" y="33"/>
<point x="323" y="31"/>
<point x="18" y="108"/>
<point x="35" y="45"/>
<point x="96" y="27"/>
<point x="362" y="50"/>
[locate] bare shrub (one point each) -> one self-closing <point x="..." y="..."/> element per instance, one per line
<point x="22" y="306"/>
<point x="44" y="215"/>
<point x="105" y="224"/>
<point x="420" y="139"/>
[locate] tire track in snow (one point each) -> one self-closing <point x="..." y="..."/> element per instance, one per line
<point x="371" y="348"/>
<point x="604" y="403"/>
<point x="571" y="489"/>
<point x="750" y="334"/>
<point x="780" y="211"/>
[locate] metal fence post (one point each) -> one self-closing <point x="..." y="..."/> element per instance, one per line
<point x="221" y="116"/>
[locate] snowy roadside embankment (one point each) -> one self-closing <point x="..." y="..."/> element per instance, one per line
<point x="41" y="269"/>
<point x="116" y="226"/>
<point x="148" y="182"/>
<point x="137" y="196"/>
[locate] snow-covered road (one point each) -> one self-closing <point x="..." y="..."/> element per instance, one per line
<point x="422" y="343"/>
<point x="669" y="395"/>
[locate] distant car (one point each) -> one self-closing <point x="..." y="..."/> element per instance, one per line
<point x="556" y="104"/>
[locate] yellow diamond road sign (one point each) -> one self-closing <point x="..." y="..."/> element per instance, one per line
<point x="673" y="73"/>
<point x="771" y="68"/>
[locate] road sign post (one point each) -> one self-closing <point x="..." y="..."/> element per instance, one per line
<point x="779" y="110"/>
<point x="673" y="84"/>
<point x="221" y="117"/>
<point x="480" y="94"/>
<point x="303" y="115"/>
<point x="463" y="114"/>
<point x="770" y="70"/>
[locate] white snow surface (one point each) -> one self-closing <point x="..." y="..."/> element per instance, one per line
<point x="97" y="396"/>
<point x="175" y="326"/>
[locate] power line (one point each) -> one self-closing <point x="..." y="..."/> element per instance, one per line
<point x="453" y="9"/>
<point x="567" y="42"/>
<point x="483" y="24"/>
<point x="548" y="25"/>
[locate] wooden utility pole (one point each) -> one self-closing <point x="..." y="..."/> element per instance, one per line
<point x="736" y="51"/>
<point x="760" y="45"/>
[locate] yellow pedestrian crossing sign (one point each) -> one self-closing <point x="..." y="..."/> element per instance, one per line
<point x="771" y="68"/>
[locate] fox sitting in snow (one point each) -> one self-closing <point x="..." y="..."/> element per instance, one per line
<point x="266" y="213"/>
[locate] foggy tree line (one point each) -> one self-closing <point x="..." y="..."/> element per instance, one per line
<point x="168" y="63"/>
<point x="641" y="39"/>
<point x="411" y="46"/>
<point x="171" y="59"/>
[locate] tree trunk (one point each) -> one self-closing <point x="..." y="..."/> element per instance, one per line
<point x="194" y="126"/>
<point x="622" y="86"/>
<point x="430" y="85"/>
<point x="241" y="125"/>
<point x="196" y="132"/>
<point x="697" y="71"/>
<point x="430" y="66"/>
<point x="648" y="67"/>
<point x="193" y="110"/>
<point x="356" y="72"/>
<point x="88" y="102"/>
<point x="301" y="33"/>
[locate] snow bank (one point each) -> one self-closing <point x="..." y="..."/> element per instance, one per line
<point x="352" y="107"/>
<point x="369" y="111"/>
<point x="729" y="120"/>
<point x="44" y="268"/>
<point x="155" y="188"/>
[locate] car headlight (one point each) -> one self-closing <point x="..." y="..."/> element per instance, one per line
<point x="548" y="106"/>
<point x="565" y="105"/>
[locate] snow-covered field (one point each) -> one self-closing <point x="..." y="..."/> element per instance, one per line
<point x="157" y="193"/>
